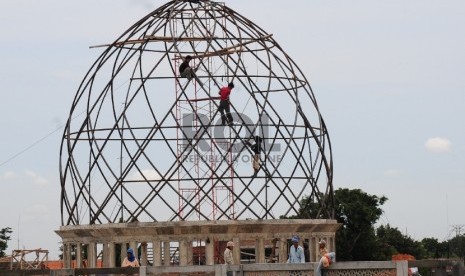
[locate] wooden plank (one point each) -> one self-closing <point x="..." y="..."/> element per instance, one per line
<point x="155" y="38"/>
<point x="224" y="51"/>
<point x="228" y="50"/>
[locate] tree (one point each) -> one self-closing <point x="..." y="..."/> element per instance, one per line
<point x="457" y="246"/>
<point x="358" y="212"/>
<point x="4" y="238"/>
<point x="395" y="242"/>
<point x="435" y="249"/>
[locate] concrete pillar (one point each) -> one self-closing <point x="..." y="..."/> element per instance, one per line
<point x="92" y="255"/>
<point x="143" y="254"/>
<point x="402" y="268"/>
<point x="183" y="248"/>
<point x="105" y="257"/>
<point x="311" y="248"/>
<point x="332" y="244"/>
<point x="259" y="251"/>
<point x="79" y="255"/>
<point x="458" y="268"/>
<point x="221" y="269"/>
<point x="166" y="253"/>
<point x="190" y="253"/>
<point x="157" y="253"/>
<point x="133" y="245"/>
<point x="282" y="244"/>
<point x="143" y="271"/>
<point x="237" y="250"/>
<point x="316" y="250"/>
<point x="124" y="251"/>
<point x="210" y="252"/>
<point x="111" y="255"/>
<point x="67" y="255"/>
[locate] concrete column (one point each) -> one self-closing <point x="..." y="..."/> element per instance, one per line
<point x="237" y="250"/>
<point x="143" y="254"/>
<point x="67" y="255"/>
<point x="458" y="269"/>
<point x="143" y="271"/>
<point x="402" y="268"/>
<point x="157" y="253"/>
<point x="210" y="252"/>
<point x="166" y="253"/>
<point x="221" y="269"/>
<point x="311" y="248"/>
<point x="183" y="248"/>
<point x="111" y="255"/>
<point x="133" y="245"/>
<point x="282" y="244"/>
<point x="92" y="255"/>
<point x="124" y="251"/>
<point x="259" y="251"/>
<point x="105" y="257"/>
<point x="332" y="244"/>
<point x="190" y="252"/>
<point x="79" y="255"/>
<point x="316" y="249"/>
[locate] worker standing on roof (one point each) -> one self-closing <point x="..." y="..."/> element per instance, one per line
<point x="296" y="252"/>
<point x="130" y="260"/>
<point x="225" y="104"/>
<point x="186" y="71"/>
<point x="228" y="256"/>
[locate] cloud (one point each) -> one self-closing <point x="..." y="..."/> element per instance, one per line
<point x="9" y="175"/>
<point x="438" y="145"/>
<point x="37" y="179"/>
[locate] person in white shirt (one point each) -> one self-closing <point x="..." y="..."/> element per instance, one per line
<point x="228" y="256"/>
<point x="296" y="252"/>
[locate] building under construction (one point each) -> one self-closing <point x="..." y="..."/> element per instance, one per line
<point x="147" y="161"/>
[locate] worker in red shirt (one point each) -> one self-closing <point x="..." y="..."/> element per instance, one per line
<point x="225" y="104"/>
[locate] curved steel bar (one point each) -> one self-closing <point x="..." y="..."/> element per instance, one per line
<point x="151" y="146"/>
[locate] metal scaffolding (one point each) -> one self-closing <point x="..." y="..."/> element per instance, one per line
<point x="150" y="146"/>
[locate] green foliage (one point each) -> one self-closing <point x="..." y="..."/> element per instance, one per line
<point x="4" y="238"/>
<point x="358" y="212"/>
<point x="358" y="240"/>
<point x="394" y="242"/>
<point x="435" y="249"/>
<point x="457" y="246"/>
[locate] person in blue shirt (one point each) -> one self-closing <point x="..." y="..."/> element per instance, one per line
<point x="296" y="252"/>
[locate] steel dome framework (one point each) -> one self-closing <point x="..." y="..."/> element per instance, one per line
<point x="151" y="147"/>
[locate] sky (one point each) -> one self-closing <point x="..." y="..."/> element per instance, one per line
<point x="388" y="76"/>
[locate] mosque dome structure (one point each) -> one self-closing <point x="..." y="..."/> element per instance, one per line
<point x="145" y="143"/>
